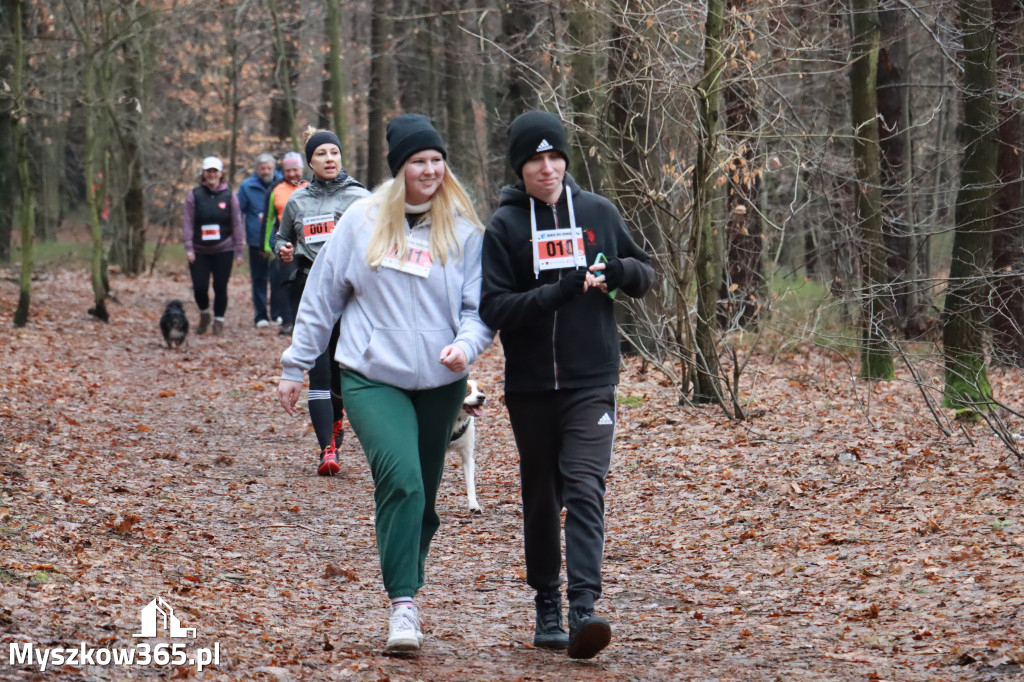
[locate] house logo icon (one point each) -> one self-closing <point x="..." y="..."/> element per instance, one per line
<point x="158" y="615"/>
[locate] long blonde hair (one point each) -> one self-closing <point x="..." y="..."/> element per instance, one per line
<point x="449" y="201"/>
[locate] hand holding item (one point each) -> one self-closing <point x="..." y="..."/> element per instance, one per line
<point x="454" y="358"/>
<point x="574" y="283"/>
<point x="608" y="274"/>
<point x="288" y="393"/>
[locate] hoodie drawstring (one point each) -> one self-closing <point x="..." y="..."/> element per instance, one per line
<point x="575" y="232"/>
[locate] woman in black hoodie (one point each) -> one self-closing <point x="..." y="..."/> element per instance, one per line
<point x="554" y="258"/>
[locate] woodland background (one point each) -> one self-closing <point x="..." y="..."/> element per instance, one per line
<point x="832" y="195"/>
<point x="861" y="157"/>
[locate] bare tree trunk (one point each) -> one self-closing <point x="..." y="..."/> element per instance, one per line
<point x="455" y="93"/>
<point x="333" y="28"/>
<point x="744" y="283"/>
<point x="518" y="23"/>
<point x="132" y="125"/>
<point x="876" y="298"/>
<point x="377" y="97"/>
<point x="231" y="28"/>
<point x="708" y="269"/>
<point x="587" y="26"/>
<point x="26" y="210"/>
<point x="1008" y="222"/>
<point x="94" y="197"/>
<point x="50" y="167"/>
<point x="8" y="171"/>
<point x="282" y="109"/>
<point x="7" y="181"/>
<point x="966" y="382"/>
<point x="892" y="92"/>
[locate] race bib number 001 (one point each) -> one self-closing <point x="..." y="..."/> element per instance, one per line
<point x="557" y="249"/>
<point x="317" y="228"/>
<point x="210" y="232"/>
<point x="417" y="260"/>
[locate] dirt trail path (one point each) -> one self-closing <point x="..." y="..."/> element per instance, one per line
<point x="743" y="552"/>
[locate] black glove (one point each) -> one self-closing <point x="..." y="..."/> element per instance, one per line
<point x="571" y="284"/>
<point x="613" y="273"/>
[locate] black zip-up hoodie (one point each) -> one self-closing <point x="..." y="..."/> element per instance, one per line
<point x="552" y="341"/>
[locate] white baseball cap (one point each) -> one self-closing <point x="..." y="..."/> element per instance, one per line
<point x="212" y="162"/>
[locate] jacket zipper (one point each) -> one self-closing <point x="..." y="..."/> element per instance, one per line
<point x="554" y="326"/>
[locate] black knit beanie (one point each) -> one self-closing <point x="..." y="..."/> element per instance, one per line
<point x="408" y="134"/>
<point x="532" y="133"/>
<point x="322" y="137"/>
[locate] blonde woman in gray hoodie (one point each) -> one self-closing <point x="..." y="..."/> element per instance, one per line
<point x="402" y="271"/>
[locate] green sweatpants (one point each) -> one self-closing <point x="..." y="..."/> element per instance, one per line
<point x="405" y="435"/>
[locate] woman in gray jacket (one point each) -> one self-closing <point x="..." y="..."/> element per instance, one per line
<point x="307" y="221"/>
<point x="402" y="271"/>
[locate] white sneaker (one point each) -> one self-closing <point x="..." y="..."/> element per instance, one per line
<point x="261" y="324"/>
<point x="404" y="635"/>
<point x="277" y="321"/>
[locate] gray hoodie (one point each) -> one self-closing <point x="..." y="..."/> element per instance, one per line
<point x="394" y="324"/>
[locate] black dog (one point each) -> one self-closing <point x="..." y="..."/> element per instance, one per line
<point x="174" y="324"/>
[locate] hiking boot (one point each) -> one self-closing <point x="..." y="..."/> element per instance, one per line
<point x="218" y="327"/>
<point x="588" y="634"/>
<point x="548" y="632"/>
<point x="328" y="462"/>
<point x="404" y="634"/>
<point x="337" y="434"/>
<point x="204" y="322"/>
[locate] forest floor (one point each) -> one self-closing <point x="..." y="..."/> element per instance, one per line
<point x="836" y="536"/>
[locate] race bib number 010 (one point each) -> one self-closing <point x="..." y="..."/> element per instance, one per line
<point x="417" y="260"/>
<point x="210" y="232"/>
<point x="557" y="249"/>
<point x="317" y="228"/>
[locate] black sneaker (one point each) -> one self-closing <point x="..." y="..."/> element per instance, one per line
<point x="548" y="632"/>
<point x="588" y="634"/>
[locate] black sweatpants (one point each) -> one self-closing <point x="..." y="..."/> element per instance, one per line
<point x="565" y="448"/>
<point x="219" y="265"/>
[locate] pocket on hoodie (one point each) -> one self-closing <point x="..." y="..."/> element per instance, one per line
<point x="392" y="346"/>
<point x="432" y="341"/>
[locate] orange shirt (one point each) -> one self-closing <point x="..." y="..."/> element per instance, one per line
<point x="278" y="198"/>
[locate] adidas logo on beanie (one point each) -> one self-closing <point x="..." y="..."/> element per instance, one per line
<point x="532" y="133"/>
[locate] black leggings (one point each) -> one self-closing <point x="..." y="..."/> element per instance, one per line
<point x="219" y="264"/>
<point x="325" y="404"/>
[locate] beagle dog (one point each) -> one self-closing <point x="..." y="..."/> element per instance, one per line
<point x="463" y="440"/>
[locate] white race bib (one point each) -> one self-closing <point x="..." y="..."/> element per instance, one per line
<point x="556" y="249"/>
<point x="417" y="260"/>
<point x="210" y="232"/>
<point x="317" y="228"/>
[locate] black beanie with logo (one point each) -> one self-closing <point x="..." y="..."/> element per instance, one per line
<point x="409" y="134"/>
<point x="532" y="133"/>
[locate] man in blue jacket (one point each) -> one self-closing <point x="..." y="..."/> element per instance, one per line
<point x="252" y="199"/>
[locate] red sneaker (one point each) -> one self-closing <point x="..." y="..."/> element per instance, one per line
<point x="328" y="462"/>
<point x="337" y="434"/>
